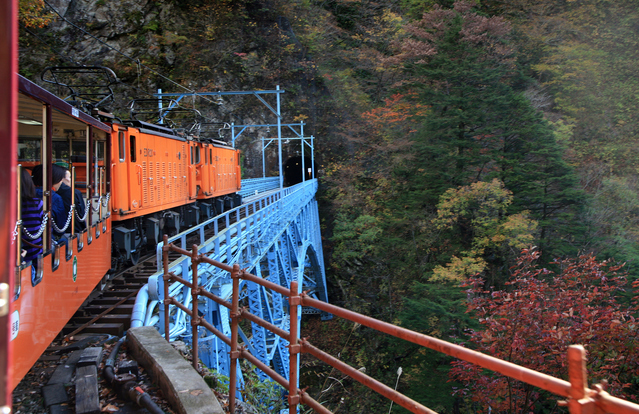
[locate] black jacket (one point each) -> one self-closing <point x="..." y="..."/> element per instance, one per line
<point x="65" y="192"/>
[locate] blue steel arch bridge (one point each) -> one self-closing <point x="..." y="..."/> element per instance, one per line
<point x="275" y="235"/>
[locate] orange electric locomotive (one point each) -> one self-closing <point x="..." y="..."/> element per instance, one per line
<point x="165" y="181"/>
<point x="133" y="180"/>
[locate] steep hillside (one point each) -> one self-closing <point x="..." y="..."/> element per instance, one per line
<point x="186" y="46"/>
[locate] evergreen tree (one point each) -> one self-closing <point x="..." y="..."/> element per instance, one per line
<point x="480" y="125"/>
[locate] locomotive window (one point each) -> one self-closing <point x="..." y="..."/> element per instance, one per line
<point x="121" y="140"/>
<point x="100" y="148"/>
<point x="132" y="142"/>
<point x="195" y="155"/>
<point x="211" y="155"/>
<point x="100" y="138"/>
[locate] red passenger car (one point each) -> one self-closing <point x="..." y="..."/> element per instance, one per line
<point x="49" y="290"/>
<point x="137" y="181"/>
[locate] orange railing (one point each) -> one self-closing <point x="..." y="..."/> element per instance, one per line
<point x="579" y="398"/>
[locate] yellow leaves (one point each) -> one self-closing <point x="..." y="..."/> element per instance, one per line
<point x="290" y="48"/>
<point x="170" y="38"/>
<point x="478" y="201"/>
<point x="481" y="210"/>
<point x="482" y="207"/>
<point x="32" y="13"/>
<point x="459" y="269"/>
<point x="391" y="18"/>
<point x="518" y="231"/>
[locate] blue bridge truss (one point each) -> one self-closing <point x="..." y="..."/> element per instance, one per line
<point x="275" y="235"/>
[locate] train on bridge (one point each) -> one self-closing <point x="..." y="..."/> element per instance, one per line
<point x="135" y="181"/>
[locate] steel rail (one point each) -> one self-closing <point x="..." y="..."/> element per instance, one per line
<point x="79" y="329"/>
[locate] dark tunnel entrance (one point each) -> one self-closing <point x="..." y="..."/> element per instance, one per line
<point x="293" y="170"/>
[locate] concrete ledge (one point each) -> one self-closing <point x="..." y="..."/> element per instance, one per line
<point x="183" y="387"/>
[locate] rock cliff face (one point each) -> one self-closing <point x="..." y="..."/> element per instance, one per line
<point x="90" y="32"/>
<point x="177" y="46"/>
<point x="118" y="23"/>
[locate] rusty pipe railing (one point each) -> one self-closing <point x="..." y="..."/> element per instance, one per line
<point x="235" y="319"/>
<point x="580" y="398"/>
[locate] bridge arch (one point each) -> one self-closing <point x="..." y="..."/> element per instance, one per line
<point x="310" y="276"/>
<point x="279" y="241"/>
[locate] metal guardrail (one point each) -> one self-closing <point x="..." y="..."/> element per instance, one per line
<point x="252" y="186"/>
<point x="580" y="398"/>
<point x="266" y="210"/>
<point x="295" y="394"/>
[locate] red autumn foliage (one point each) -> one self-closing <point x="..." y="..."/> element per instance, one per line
<point x="398" y="111"/>
<point x="425" y="34"/>
<point x="533" y="323"/>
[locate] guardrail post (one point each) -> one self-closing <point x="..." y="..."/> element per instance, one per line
<point x="293" y="396"/>
<point x="195" y="319"/>
<point x="166" y="277"/>
<point x="579" y="402"/>
<point x="235" y="316"/>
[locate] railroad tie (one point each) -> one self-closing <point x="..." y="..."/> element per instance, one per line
<point x="87" y="398"/>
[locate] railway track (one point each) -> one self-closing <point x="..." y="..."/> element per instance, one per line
<point x="108" y="311"/>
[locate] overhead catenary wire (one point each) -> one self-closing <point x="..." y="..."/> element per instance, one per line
<point x="74" y="62"/>
<point x="136" y="61"/>
<point x="68" y="59"/>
